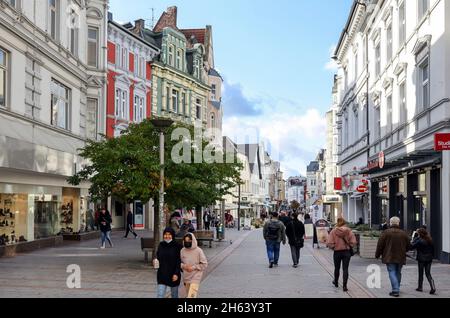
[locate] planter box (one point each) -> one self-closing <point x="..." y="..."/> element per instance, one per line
<point x="82" y="236"/>
<point x="368" y="247"/>
<point x="24" y="247"/>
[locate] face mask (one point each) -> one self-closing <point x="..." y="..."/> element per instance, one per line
<point x="188" y="244"/>
<point x="168" y="241"/>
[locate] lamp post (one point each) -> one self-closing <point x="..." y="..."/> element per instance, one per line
<point x="239" y="207"/>
<point x="161" y="125"/>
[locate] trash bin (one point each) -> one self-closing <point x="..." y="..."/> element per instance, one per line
<point x="220" y="232"/>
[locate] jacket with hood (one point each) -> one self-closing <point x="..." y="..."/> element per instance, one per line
<point x="168" y="255"/>
<point x="338" y="237"/>
<point x="393" y="245"/>
<point x="281" y="230"/>
<point x="194" y="257"/>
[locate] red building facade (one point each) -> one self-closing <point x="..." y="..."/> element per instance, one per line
<point x="129" y="85"/>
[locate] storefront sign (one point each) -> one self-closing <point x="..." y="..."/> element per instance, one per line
<point x="338" y="184"/>
<point x="362" y="189"/>
<point x="331" y="199"/>
<point x="381" y="161"/>
<point x="442" y="142"/>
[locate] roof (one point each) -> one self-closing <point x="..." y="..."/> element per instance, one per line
<point x="313" y="166"/>
<point x="199" y="34"/>
<point x="213" y="72"/>
<point x="125" y="28"/>
<point x="216" y="104"/>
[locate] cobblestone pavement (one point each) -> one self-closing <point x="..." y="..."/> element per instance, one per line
<point x="118" y="272"/>
<point x="238" y="268"/>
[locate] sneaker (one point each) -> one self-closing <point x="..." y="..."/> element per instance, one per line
<point x="419" y="290"/>
<point x="276" y="265"/>
<point x="394" y="294"/>
<point x="336" y="284"/>
<point x="102" y="247"/>
<point x="271" y="265"/>
<point x="345" y="289"/>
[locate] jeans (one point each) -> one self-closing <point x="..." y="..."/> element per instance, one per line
<point x="273" y="251"/>
<point x="295" y="251"/>
<point x="162" y="291"/>
<point x="106" y="236"/>
<point x="395" y="276"/>
<point x="344" y="258"/>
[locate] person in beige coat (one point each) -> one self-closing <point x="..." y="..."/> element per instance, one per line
<point x="193" y="264"/>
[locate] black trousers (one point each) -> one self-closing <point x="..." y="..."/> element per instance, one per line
<point x="427" y="268"/>
<point x="207" y="226"/>
<point x="344" y="258"/>
<point x="130" y="229"/>
<point x="295" y="252"/>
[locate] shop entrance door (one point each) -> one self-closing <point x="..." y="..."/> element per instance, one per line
<point x="420" y="211"/>
<point x="399" y="206"/>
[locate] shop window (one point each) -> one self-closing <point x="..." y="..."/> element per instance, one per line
<point x="46" y="215"/>
<point x="401" y="185"/>
<point x="422" y="182"/>
<point x="13" y="218"/>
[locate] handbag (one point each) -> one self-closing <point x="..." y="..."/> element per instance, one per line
<point x="352" y="252"/>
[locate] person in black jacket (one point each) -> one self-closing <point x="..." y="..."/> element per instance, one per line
<point x="169" y="259"/>
<point x="295" y="231"/>
<point x="130" y="225"/>
<point x="425" y="254"/>
<point x="104" y="221"/>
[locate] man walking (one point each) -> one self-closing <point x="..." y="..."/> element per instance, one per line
<point x="130" y="225"/>
<point x="207" y="220"/>
<point x="274" y="233"/>
<point x="392" y="247"/>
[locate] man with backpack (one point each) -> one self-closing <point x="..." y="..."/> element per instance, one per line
<point x="274" y="233"/>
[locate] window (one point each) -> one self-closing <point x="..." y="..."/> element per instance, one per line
<point x="213" y="91"/>
<point x="424" y="5"/>
<point x="74" y="22"/>
<point x="136" y="65"/>
<point x="402" y="24"/>
<point x="143" y="64"/>
<point x="377" y="60"/>
<point x="3" y="76"/>
<point x="91" y="118"/>
<point x="378" y="123"/>
<point x="167" y="99"/>
<point x="356" y="66"/>
<point x="125" y="58"/>
<point x="179" y="65"/>
<point x="356" y="125"/>
<point x="213" y="121"/>
<point x="424" y="74"/>
<point x="14" y="3"/>
<point x="389" y="114"/>
<point x="93" y="47"/>
<point x="53" y="18"/>
<point x="402" y="101"/>
<point x="197" y="68"/>
<point x="118" y="55"/>
<point x="175" y="101"/>
<point x="139" y="109"/>
<point x="183" y="101"/>
<point x="389" y="43"/>
<point x="346" y="132"/>
<point x="198" y="105"/>
<point x="346" y="77"/>
<point x="60" y="105"/>
<point x="121" y="104"/>
<point x="171" y="55"/>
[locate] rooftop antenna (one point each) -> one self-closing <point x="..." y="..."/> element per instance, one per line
<point x="153" y="18"/>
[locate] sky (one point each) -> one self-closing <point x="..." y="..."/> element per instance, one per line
<point x="274" y="57"/>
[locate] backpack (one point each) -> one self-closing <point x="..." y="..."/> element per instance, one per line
<point x="272" y="231"/>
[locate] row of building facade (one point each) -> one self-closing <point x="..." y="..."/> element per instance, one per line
<point x="390" y="99"/>
<point x="70" y="73"/>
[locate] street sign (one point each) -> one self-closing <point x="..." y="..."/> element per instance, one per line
<point x="362" y="189"/>
<point x="381" y="159"/>
<point x="442" y="142"/>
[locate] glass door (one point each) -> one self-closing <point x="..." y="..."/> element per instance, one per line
<point x="420" y="211"/>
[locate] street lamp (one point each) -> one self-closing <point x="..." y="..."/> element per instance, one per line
<point x="239" y="207"/>
<point x="161" y="125"/>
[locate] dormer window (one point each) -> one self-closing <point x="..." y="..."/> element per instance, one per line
<point x="197" y="68"/>
<point x="179" y="60"/>
<point x="170" y="61"/>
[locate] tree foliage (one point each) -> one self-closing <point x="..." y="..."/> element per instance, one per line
<point x="128" y="167"/>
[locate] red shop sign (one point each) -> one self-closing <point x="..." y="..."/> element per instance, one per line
<point x="362" y="189"/>
<point x="338" y="184"/>
<point x="442" y="142"/>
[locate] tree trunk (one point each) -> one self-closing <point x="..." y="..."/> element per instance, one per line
<point x="199" y="215"/>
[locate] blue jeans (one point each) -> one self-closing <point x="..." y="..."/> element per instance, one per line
<point x="395" y="276"/>
<point x="273" y="251"/>
<point x="106" y="236"/>
<point x="162" y="291"/>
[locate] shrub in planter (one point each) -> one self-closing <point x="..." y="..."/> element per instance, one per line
<point x="368" y="244"/>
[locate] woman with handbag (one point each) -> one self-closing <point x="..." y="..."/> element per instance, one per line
<point x="295" y="231"/>
<point x="341" y="240"/>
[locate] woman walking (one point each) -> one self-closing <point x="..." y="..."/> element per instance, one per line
<point x="104" y="221"/>
<point x="341" y="240"/>
<point x="295" y="231"/>
<point x="193" y="264"/>
<point x="169" y="260"/>
<point x="425" y="254"/>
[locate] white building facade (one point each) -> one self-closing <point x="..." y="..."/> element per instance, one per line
<point x="394" y="70"/>
<point x="52" y="99"/>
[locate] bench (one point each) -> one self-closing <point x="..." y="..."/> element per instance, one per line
<point x="147" y="245"/>
<point x="205" y="236"/>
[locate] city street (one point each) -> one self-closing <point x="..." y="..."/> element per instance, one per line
<point x="237" y="270"/>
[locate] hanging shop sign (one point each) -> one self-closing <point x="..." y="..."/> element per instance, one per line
<point x="442" y="142"/>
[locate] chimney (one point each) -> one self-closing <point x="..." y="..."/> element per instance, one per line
<point x="172" y="13"/>
<point x="139" y="25"/>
